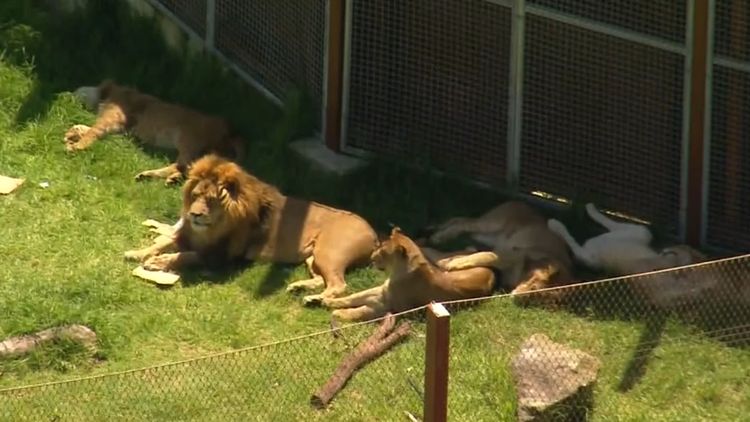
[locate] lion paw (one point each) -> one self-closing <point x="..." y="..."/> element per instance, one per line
<point x="312" y="300"/>
<point x="75" y="132"/>
<point x="135" y="255"/>
<point x="142" y="176"/>
<point x="162" y="262"/>
<point x="173" y="179"/>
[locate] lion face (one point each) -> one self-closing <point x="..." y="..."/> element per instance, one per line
<point x="211" y="198"/>
<point x="398" y="254"/>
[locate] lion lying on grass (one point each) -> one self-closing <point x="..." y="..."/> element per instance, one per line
<point x="412" y="282"/>
<point x="528" y="254"/>
<point x="156" y="123"/>
<point x="228" y="214"/>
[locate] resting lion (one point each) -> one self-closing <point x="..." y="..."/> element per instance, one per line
<point x="156" y="123"/>
<point x="228" y="214"/>
<point x="529" y="255"/>
<point x="412" y="282"/>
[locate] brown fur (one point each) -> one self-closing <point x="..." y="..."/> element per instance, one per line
<point x="156" y="123"/>
<point x="412" y="282"/>
<point x="529" y="255"/>
<point x="229" y="214"/>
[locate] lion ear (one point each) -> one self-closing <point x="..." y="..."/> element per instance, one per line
<point x="231" y="187"/>
<point x="395" y="230"/>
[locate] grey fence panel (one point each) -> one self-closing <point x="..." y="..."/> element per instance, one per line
<point x="428" y="81"/>
<point x="191" y="12"/>
<point x="603" y="120"/>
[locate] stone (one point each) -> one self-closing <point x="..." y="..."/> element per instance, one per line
<point x="553" y="381"/>
<point x="314" y="151"/>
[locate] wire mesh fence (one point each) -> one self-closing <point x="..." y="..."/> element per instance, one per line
<point x="645" y="340"/>
<point x="668" y="345"/>
<point x="428" y="82"/>
<point x="269" y="382"/>
<point x="727" y="225"/>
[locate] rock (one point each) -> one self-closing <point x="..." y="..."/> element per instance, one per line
<point x="553" y="382"/>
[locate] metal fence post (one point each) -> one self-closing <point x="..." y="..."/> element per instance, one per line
<point x="210" y="24"/>
<point x="697" y="122"/>
<point x="334" y="66"/>
<point x="515" y="100"/>
<point x="436" y="364"/>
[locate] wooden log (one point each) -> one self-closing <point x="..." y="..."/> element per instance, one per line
<point x="370" y="349"/>
<point x="20" y="345"/>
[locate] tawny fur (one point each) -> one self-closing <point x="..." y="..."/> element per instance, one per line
<point x="156" y="123"/>
<point x="412" y="281"/>
<point x="228" y="214"/>
<point x="625" y="249"/>
<point x="528" y="254"/>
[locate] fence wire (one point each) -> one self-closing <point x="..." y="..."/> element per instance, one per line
<point x="668" y="344"/>
<point x="267" y="383"/>
<point x="662" y="355"/>
<point x="428" y="83"/>
<point x="727" y="225"/>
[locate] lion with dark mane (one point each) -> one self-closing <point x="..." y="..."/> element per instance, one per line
<point x="228" y="214"/>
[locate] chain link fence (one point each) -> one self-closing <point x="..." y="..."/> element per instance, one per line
<point x="728" y="226"/>
<point x="267" y="383"/>
<point x="662" y="345"/>
<point x="670" y="345"/>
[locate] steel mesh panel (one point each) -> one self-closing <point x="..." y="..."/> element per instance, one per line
<point x="729" y="188"/>
<point x="191" y="12"/>
<point x="602" y="117"/>
<point x="429" y="81"/>
<point x="732" y="18"/>
<point x="280" y="43"/>
<point x="661" y="18"/>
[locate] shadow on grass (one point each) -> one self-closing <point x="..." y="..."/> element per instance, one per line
<point x="649" y="340"/>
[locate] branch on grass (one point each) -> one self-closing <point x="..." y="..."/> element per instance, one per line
<point x="21" y="345"/>
<point x="370" y="349"/>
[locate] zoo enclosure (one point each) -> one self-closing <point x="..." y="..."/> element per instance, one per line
<point x="637" y="105"/>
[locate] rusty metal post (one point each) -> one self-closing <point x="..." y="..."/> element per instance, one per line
<point x="696" y="135"/>
<point x="335" y="74"/>
<point x="436" y="364"/>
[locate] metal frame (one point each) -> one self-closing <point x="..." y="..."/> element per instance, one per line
<point x="686" y="106"/>
<point x="345" y="147"/>
<point x="324" y="85"/>
<point x="708" y="120"/>
<point x="156" y="4"/>
<point x="515" y="93"/>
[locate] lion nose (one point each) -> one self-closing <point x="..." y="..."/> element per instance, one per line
<point x="194" y="214"/>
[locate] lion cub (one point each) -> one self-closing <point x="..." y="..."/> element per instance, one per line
<point x="156" y="123"/>
<point x="228" y="214"/>
<point x="412" y="282"/>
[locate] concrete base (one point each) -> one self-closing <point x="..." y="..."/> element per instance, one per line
<point x="314" y="151"/>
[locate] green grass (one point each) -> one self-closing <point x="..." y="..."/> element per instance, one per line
<point x="62" y="263"/>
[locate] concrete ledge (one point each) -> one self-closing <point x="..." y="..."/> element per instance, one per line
<point x="314" y="151"/>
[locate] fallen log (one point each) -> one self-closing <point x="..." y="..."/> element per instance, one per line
<point x="21" y="345"/>
<point x="368" y="350"/>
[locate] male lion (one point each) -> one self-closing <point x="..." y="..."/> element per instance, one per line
<point x="156" y="123"/>
<point x="529" y="255"/>
<point x="229" y="214"/>
<point x="412" y="281"/>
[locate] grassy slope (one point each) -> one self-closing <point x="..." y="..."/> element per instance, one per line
<point x="62" y="253"/>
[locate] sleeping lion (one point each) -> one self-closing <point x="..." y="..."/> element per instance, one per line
<point x="227" y="214"/>
<point x="156" y="123"/>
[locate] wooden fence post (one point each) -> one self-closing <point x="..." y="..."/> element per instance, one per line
<point x="335" y="74"/>
<point x="436" y="364"/>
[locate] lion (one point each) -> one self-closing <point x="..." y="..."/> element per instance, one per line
<point x="625" y="249"/>
<point x="527" y="253"/>
<point x="156" y="123"/>
<point x="412" y="282"/>
<point x="228" y="214"/>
